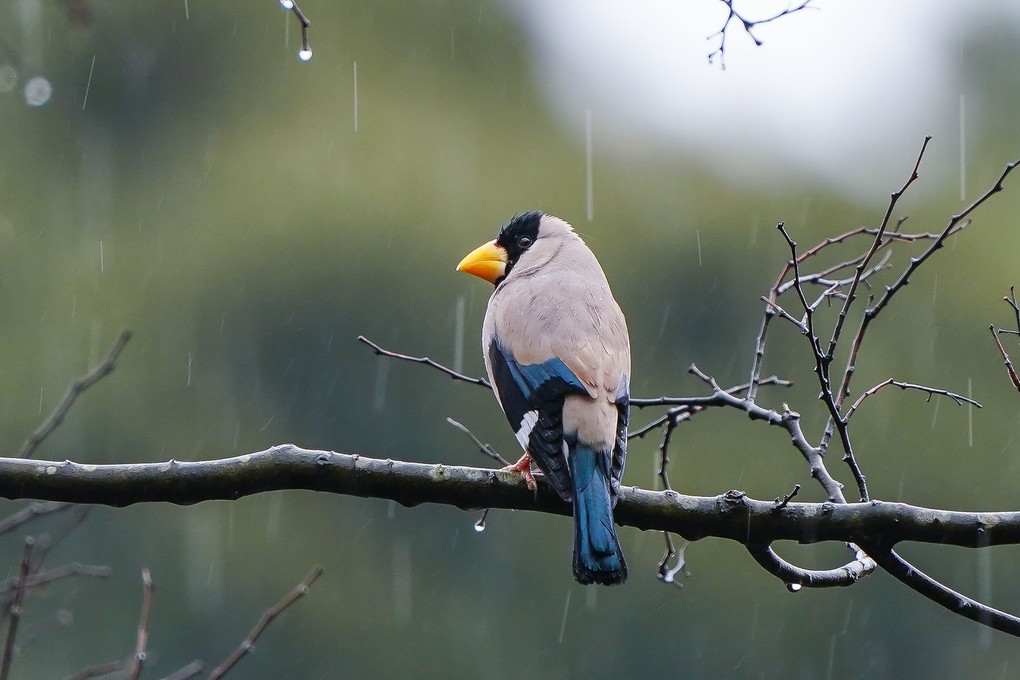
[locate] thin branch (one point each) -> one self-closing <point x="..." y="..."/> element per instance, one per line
<point x="788" y="420"/>
<point x="875" y="245"/>
<point x="674" y="422"/>
<point x="98" y="670"/>
<point x="424" y="360"/>
<point x="1011" y="300"/>
<point x="801" y="326"/>
<point x="193" y="669"/>
<point x="931" y="391"/>
<point x="143" y="626"/>
<point x="267" y="617"/>
<point x="666" y="573"/>
<point x="73" y="392"/>
<point x="1005" y="358"/>
<point x="955" y="602"/>
<point x="642" y="402"/>
<point x="822" y="360"/>
<point x="785" y="500"/>
<point x="15" y="609"/>
<point x="482" y="446"/>
<point x="748" y="26"/>
<point x="781" y="285"/>
<point x="306" y="51"/>
<point x="9" y="588"/>
<point x="653" y="425"/>
<point x="27" y="514"/>
<point x="46" y="542"/>
<point x="872" y="312"/>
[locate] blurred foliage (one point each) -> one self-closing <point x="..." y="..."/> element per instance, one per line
<point x="213" y="195"/>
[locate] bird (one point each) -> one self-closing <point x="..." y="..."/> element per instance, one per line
<point x="557" y="354"/>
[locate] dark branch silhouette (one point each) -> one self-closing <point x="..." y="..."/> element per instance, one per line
<point x="748" y="26"/>
<point x="731" y="515"/>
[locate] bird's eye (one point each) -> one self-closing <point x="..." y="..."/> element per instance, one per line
<point x="523" y="241"/>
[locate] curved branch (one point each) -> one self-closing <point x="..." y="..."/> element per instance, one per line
<point x="918" y="581"/>
<point x="795" y="576"/>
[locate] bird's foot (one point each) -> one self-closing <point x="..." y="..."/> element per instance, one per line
<point x="523" y="466"/>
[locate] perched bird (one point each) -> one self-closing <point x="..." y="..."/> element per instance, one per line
<point x="557" y="353"/>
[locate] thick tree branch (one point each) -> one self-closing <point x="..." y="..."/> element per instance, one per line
<point x="732" y="515"/>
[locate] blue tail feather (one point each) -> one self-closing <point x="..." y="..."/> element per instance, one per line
<point x="598" y="557"/>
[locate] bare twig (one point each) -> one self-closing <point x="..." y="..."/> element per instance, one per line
<point x="143" y="626"/>
<point x="666" y="573"/>
<point x="98" y="670"/>
<point x="267" y="617"/>
<point x="801" y="326"/>
<point x="9" y="588"/>
<point x="642" y="402"/>
<point x="15" y="609"/>
<point x="748" y="26"/>
<point x="931" y="391"/>
<point x="46" y="542"/>
<point x="77" y="387"/>
<point x="15" y="520"/>
<point x="193" y="669"/>
<point x="822" y="360"/>
<point x="872" y="312"/>
<point x="482" y="446"/>
<point x="785" y="500"/>
<point x="1011" y="301"/>
<point x="788" y="420"/>
<point x="306" y="51"/>
<point x="782" y="285"/>
<point x="674" y="421"/>
<point x="875" y="245"/>
<point x="1005" y="358"/>
<point x="424" y="360"/>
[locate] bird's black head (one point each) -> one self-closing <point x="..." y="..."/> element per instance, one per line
<point x="517" y="235"/>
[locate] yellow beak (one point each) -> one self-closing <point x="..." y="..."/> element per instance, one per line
<point x="487" y="261"/>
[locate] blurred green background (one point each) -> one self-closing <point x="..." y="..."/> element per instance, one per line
<point x="227" y="203"/>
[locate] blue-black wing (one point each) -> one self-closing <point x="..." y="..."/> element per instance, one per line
<point x="532" y="399"/>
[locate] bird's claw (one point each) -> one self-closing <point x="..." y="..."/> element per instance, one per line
<point x="523" y="467"/>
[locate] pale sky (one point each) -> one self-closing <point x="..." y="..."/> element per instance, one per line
<point x="843" y="93"/>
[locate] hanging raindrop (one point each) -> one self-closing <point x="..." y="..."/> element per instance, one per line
<point x="480" y="524"/>
<point x="794" y="587"/>
<point x="304" y="54"/>
<point x="287" y="4"/>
